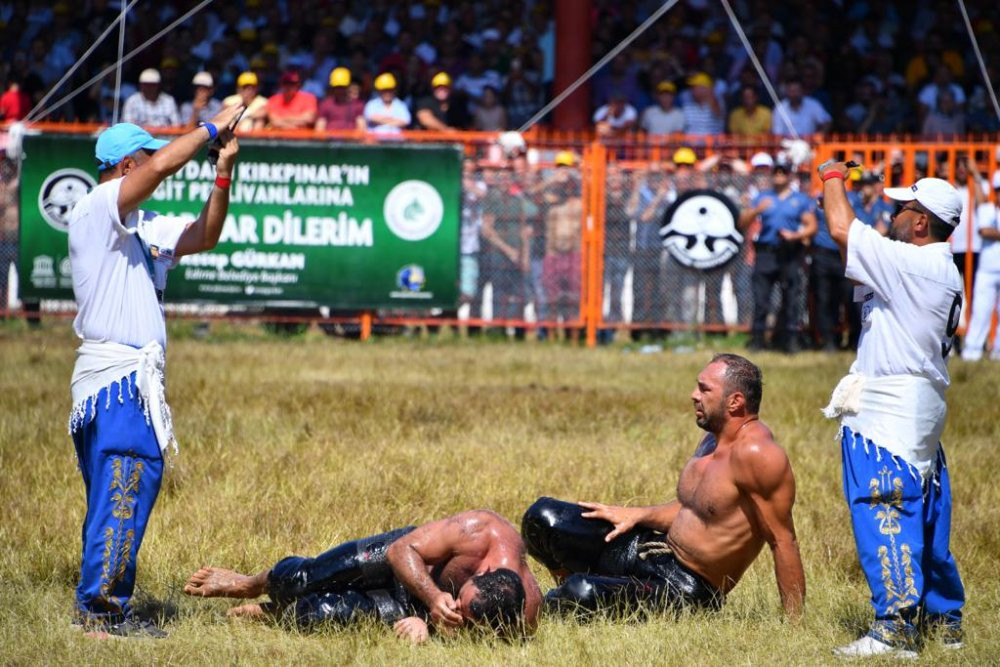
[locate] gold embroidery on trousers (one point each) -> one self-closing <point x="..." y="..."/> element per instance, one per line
<point x="895" y="560"/>
<point x="118" y="544"/>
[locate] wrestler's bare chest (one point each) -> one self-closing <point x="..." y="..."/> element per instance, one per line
<point x="706" y="486"/>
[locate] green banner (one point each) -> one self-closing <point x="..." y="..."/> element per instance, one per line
<point x="338" y="225"/>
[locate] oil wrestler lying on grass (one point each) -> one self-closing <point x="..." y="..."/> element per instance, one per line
<point x="467" y="570"/>
<point x="733" y="496"/>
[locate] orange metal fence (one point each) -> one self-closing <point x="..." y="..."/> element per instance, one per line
<point x="636" y="160"/>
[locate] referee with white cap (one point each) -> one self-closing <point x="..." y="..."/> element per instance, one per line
<point x="892" y="411"/>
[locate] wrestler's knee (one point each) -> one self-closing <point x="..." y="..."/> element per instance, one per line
<point x="287" y="579"/>
<point x="577" y="593"/>
<point x="537" y="526"/>
<point x="556" y="534"/>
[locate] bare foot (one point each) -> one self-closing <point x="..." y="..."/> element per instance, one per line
<point x="214" y="582"/>
<point x="252" y="611"/>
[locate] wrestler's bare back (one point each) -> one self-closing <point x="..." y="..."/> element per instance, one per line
<point x="489" y="542"/>
<point x="715" y="532"/>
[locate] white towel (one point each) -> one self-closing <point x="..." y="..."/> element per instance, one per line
<point x="903" y="414"/>
<point x="101" y="364"/>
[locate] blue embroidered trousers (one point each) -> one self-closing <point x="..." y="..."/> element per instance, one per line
<point x="902" y="526"/>
<point x="122" y="468"/>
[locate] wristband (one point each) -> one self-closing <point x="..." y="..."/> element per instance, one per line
<point x="213" y="131"/>
<point x="832" y="174"/>
<point x="223" y="183"/>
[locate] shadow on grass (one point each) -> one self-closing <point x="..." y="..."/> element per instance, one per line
<point x="160" y="610"/>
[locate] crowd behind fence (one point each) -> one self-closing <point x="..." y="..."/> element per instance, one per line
<point x="563" y="239"/>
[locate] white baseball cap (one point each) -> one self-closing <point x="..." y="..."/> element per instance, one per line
<point x="936" y="195"/>
<point x="203" y="79"/>
<point x="149" y="76"/>
<point x="762" y="160"/>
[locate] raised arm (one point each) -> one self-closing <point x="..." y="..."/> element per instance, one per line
<point x="836" y="206"/>
<point x="146" y="177"/>
<point x="204" y="233"/>
<point x="763" y="474"/>
<point x="624" y="519"/>
<point x="412" y="556"/>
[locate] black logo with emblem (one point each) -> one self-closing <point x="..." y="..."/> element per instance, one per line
<point x="699" y="229"/>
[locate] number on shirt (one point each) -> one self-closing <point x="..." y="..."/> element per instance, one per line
<point x="954" y="317"/>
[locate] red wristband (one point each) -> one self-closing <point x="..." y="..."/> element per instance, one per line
<point x="223" y="183"/>
<point x="832" y="174"/>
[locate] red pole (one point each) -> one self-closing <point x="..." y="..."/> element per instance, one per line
<point x="572" y="60"/>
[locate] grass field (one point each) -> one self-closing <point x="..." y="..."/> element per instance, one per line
<point x="292" y="445"/>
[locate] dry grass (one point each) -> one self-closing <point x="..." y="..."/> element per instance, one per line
<point x="289" y="446"/>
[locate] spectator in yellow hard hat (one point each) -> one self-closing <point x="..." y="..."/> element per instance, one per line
<point x="684" y="156"/>
<point x="339" y="110"/>
<point x="664" y="117"/>
<point x="564" y="159"/>
<point x="385" y="113"/>
<point x="442" y="109"/>
<point x="247" y="93"/>
<point x="702" y="112"/>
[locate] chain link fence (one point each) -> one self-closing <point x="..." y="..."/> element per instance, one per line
<point x="521" y="245"/>
<point x="9" y="221"/>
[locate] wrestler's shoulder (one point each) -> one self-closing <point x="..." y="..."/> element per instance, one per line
<point x="478" y="519"/>
<point x="756" y="447"/>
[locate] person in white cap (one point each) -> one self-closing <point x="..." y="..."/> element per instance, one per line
<point x="892" y="411"/>
<point x="986" y="291"/>
<point x="120" y="422"/>
<point x="203" y="107"/>
<point x="150" y="106"/>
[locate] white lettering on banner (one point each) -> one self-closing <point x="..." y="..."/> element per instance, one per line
<point x="313" y="230"/>
<point x="214" y="260"/>
<point x="285" y="195"/>
<point x="251" y="259"/>
<point x="300" y="174"/>
<point x="239" y="230"/>
<point x="169" y="191"/>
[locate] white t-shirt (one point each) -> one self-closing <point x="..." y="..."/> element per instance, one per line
<point x="911" y="298"/>
<point x="603" y="114"/>
<point x="120" y="269"/>
<point x="960" y="237"/>
<point x="987" y="217"/>
<point x="657" y="121"/>
<point x="806" y="119"/>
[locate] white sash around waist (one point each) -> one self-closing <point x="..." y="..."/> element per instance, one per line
<point x="903" y="414"/>
<point x="100" y="364"/>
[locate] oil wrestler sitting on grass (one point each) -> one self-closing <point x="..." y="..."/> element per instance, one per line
<point x="466" y="570"/>
<point x="733" y="496"/>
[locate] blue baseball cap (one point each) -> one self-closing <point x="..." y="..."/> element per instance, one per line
<point x="119" y="141"/>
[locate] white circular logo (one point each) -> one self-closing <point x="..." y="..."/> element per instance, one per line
<point x="699" y="229"/>
<point x="413" y="210"/>
<point x="59" y="194"/>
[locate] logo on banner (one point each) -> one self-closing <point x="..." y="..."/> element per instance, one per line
<point x="59" y="194"/>
<point x="411" y="280"/>
<point x="411" y="277"/>
<point x="43" y="271"/>
<point x="413" y="210"/>
<point x="699" y="229"/>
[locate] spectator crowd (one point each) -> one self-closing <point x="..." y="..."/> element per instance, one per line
<point x="489" y="65"/>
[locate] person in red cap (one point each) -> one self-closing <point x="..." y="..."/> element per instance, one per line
<point x="291" y="108"/>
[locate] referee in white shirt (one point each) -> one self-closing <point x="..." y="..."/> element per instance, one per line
<point x="892" y="410"/>
<point x="120" y="422"/>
